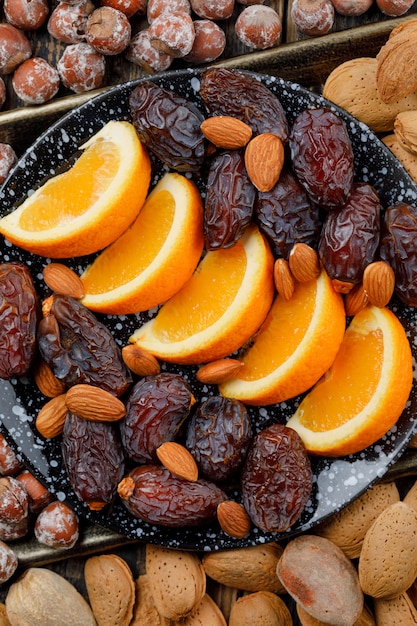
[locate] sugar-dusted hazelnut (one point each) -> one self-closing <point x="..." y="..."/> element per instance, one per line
<point x="36" y="81"/>
<point x="8" y="159"/>
<point x="38" y="494"/>
<point x="11" y="531"/>
<point x="57" y="526"/>
<point x="249" y="2"/>
<point x="8" y="562"/>
<point x="14" y="500"/>
<point x="128" y="7"/>
<point x="14" y="48"/>
<point x="352" y="8"/>
<point x="3" y="92"/>
<point x="157" y="7"/>
<point x="9" y="463"/>
<point x="26" y="14"/>
<point x="81" y="68"/>
<point x="259" y="27"/>
<point x="213" y="9"/>
<point x="313" y="17"/>
<point x="209" y="42"/>
<point x="394" y="8"/>
<point x="173" y="33"/>
<point x="68" y="22"/>
<point x="141" y="52"/>
<point x="108" y="31"/>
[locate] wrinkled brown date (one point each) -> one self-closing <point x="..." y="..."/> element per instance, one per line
<point x="276" y="479"/>
<point x="79" y="348"/>
<point x="93" y="457"/>
<point x="229" y="201"/>
<point x="153" y="494"/>
<point x="230" y="92"/>
<point x="322" y="156"/>
<point x="398" y="249"/>
<point x="155" y="410"/>
<point x="169" y="125"/>
<point x="19" y="316"/>
<point x="218" y="437"/>
<point x="350" y="235"/>
<point x="287" y="216"/>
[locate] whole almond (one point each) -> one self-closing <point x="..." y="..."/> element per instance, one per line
<point x="225" y="131"/>
<point x="407" y="159"/>
<point x="139" y="361"/>
<point x="94" y="403"/>
<point x="355" y="300"/>
<point x="258" y="609"/>
<point x="264" y="159"/>
<point x="396" y="73"/>
<point x="378" y="283"/>
<point x="62" y="279"/>
<point x="219" y="371"/>
<point x="46" y="381"/>
<point x="233" y="519"/>
<point x="405" y="129"/>
<point x="178" y="460"/>
<point x="51" y="418"/>
<point x="145" y="612"/>
<point x="283" y="278"/>
<point x="304" y="263"/>
<point x="399" y="610"/>
<point x="111" y="589"/>
<point x="205" y="613"/>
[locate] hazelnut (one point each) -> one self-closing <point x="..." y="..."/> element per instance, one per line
<point x="209" y="42"/>
<point x="26" y="14"/>
<point x="155" y="8"/>
<point x="57" y="526"/>
<point x="313" y="17"/>
<point x="15" y="48"/>
<point x="352" y="8"/>
<point x="141" y="52"/>
<point x="108" y="30"/>
<point x="8" y="562"/>
<point x="81" y="68"/>
<point x="14" y="500"/>
<point x="394" y="8"/>
<point x="9" y="463"/>
<point x="213" y="9"/>
<point x="173" y="33"/>
<point x="38" y="495"/>
<point x="35" y="81"/>
<point x="11" y="531"/>
<point x="3" y="92"/>
<point x="68" y="22"/>
<point x="128" y="7"/>
<point x="259" y="27"/>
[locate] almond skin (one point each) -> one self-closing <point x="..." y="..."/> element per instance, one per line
<point x="218" y="371"/>
<point x="304" y="263"/>
<point x="61" y="279"/>
<point x="51" y="418"/>
<point x="378" y="283"/>
<point x="46" y="381"/>
<point x="178" y="460"/>
<point x="264" y="159"/>
<point x="225" y="131"/>
<point x="233" y="519"/>
<point x="283" y="278"/>
<point x="139" y="361"/>
<point x="356" y="300"/>
<point x="94" y="404"/>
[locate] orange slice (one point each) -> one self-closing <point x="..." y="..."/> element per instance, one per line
<point x="87" y="207"/>
<point x="365" y="390"/>
<point x="294" y="347"/>
<point x="218" y="309"/>
<point x="151" y="260"/>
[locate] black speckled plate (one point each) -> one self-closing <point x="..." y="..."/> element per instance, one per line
<point x="336" y="481"/>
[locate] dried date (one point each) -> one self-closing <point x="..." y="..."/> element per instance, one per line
<point x="153" y="494"/>
<point x="156" y="408"/>
<point x="241" y="95"/>
<point x="19" y="315"/>
<point x="169" y="125"/>
<point x="276" y="478"/>
<point x="398" y="248"/>
<point x="79" y="348"/>
<point x="350" y="235"/>
<point x="218" y="437"/>
<point x="93" y="458"/>
<point x="229" y="201"/>
<point x="322" y="156"/>
<point x="287" y="216"/>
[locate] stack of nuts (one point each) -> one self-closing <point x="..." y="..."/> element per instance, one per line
<point x="25" y="506"/>
<point x="381" y="91"/>
<point x="357" y="569"/>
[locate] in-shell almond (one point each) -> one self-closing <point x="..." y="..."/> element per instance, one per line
<point x="258" y="609"/>
<point x="378" y="283"/>
<point x="94" y="403"/>
<point x="405" y="129"/>
<point x="145" y="612"/>
<point x="178" y="460"/>
<point x="396" y="73"/>
<point x="264" y="159"/>
<point x="51" y="418"/>
<point x="399" y="610"/>
<point x="225" y="131"/>
<point x="205" y="613"/>
<point x="111" y="589"/>
<point x="407" y="158"/>
<point x="62" y="279"/>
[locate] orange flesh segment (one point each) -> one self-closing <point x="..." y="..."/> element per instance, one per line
<point x="215" y="284"/>
<point x="59" y="201"/>
<point x="359" y="361"/>
<point x="267" y="354"/>
<point x="141" y="236"/>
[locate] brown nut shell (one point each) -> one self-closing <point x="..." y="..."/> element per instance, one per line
<point x="111" y="589"/>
